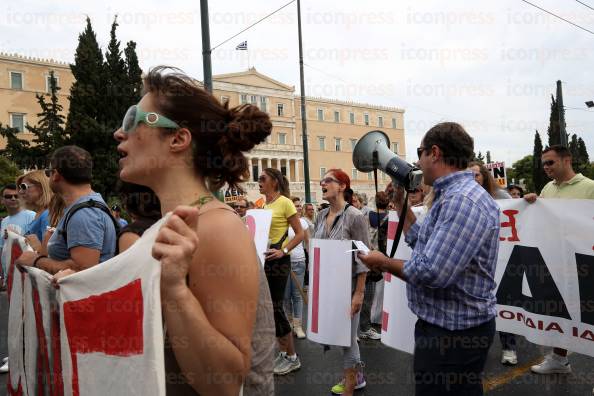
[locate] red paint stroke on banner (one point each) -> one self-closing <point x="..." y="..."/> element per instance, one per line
<point x="385" y="318"/>
<point x="43" y="369"/>
<point x="14" y="392"/>
<point x="58" y="381"/>
<point x="110" y="323"/>
<point x="250" y="222"/>
<point x="15" y="253"/>
<point x="392" y="226"/>
<point x="387" y="277"/>
<point x="315" y="308"/>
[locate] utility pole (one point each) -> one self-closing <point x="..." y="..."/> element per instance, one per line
<point x="303" y="112"/>
<point x="561" y="109"/>
<point x="206" y="64"/>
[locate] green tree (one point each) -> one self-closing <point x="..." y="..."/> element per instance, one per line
<point x="479" y="158"/>
<point x="584" y="159"/>
<point x="17" y="150"/>
<point x="539" y="178"/>
<point x="554" y="130"/>
<point x="134" y="73"/>
<point x="489" y="157"/>
<point x="9" y="171"/>
<point x="521" y="172"/>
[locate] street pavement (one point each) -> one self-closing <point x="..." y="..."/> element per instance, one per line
<point x="389" y="371"/>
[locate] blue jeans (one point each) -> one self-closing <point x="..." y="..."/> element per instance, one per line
<point x="293" y="299"/>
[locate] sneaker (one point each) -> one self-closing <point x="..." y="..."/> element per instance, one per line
<point x="370" y="334"/>
<point x="5" y="359"/>
<point x="297" y="329"/>
<point x="552" y="365"/>
<point x="4" y="368"/>
<point x="279" y="358"/>
<point x="339" y="388"/>
<point x="287" y="365"/>
<point x="509" y="357"/>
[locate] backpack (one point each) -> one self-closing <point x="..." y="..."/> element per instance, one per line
<point x="377" y="236"/>
<point x="87" y="204"/>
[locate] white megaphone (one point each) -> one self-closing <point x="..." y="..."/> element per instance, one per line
<point x="372" y="151"/>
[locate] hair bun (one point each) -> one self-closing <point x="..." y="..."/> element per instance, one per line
<point x="247" y="126"/>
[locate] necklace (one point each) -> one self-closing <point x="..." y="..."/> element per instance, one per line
<point x="274" y="199"/>
<point x="202" y="200"/>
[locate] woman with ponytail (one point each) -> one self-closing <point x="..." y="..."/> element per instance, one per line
<point x="275" y="187"/>
<point x="183" y="144"/>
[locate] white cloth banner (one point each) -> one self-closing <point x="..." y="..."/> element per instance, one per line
<point x="329" y="292"/>
<point x="258" y="222"/>
<point x="544" y="275"/>
<point x="111" y="328"/>
<point x="100" y="333"/>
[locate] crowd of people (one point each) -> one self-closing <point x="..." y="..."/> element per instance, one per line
<point x="179" y="145"/>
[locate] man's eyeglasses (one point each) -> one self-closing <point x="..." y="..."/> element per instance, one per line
<point x="135" y="115"/>
<point x="328" y="180"/>
<point x="548" y="163"/>
<point x="25" y="186"/>
<point x="49" y="172"/>
<point x="11" y="196"/>
<point x="420" y="151"/>
<point x="240" y="207"/>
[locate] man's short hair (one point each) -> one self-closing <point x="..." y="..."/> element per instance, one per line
<point x="561" y="151"/>
<point x="9" y="186"/>
<point x="295" y="199"/>
<point x="456" y="145"/>
<point x="74" y="164"/>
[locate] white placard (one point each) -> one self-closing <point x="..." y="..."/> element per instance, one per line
<point x="258" y="222"/>
<point x="329" y="293"/>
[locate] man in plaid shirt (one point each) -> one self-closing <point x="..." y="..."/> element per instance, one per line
<point x="451" y="273"/>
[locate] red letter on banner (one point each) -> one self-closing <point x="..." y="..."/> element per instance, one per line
<point x="511" y="223"/>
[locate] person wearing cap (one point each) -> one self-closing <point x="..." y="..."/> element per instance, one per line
<point x="116" y="211"/>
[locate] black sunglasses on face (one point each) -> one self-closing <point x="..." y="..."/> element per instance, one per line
<point x="11" y="196"/>
<point x="240" y="207"/>
<point x="420" y="151"/>
<point x="548" y="163"/>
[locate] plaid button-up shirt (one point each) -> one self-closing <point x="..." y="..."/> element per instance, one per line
<point x="451" y="273"/>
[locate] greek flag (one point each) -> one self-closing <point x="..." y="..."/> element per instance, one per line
<point x="242" y="46"/>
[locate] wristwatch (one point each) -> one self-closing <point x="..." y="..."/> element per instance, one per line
<point x="285" y="251"/>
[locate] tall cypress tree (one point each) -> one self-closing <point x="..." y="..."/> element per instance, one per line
<point x="554" y="130"/>
<point x="584" y="159"/>
<point x="538" y="175"/>
<point x="116" y="79"/>
<point x="134" y="74"/>
<point x="488" y="157"/>
<point x="85" y="110"/>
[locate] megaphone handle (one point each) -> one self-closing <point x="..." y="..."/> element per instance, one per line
<point x="400" y="225"/>
<point x="375" y="164"/>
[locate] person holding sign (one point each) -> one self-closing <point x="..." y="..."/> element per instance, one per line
<point x="275" y="187"/>
<point x="182" y="143"/>
<point x="451" y="274"/>
<point x="341" y="220"/>
<point x="565" y="184"/>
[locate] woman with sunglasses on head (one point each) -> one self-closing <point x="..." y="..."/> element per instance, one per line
<point x="35" y="191"/>
<point x="342" y="221"/>
<point x="275" y="187"/>
<point x="182" y="143"/>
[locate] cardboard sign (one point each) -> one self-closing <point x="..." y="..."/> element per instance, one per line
<point x="497" y="169"/>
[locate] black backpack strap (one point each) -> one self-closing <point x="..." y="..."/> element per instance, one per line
<point x="82" y="205"/>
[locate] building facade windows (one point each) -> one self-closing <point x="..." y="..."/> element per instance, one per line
<point x="243" y="99"/>
<point x="48" y="83"/>
<point x="322" y="143"/>
<point x="353" y="144"/>
<point x="322" y="172"/>
<point x="264" y="104"/>
<point x="395" y="147"/>
<point x="337" y="116"/>
<point x="254" y="100"/>
<point x="380" y="121"/>
<point x="282" y="138"/>
<point x="16" y="80"/>
<point x="354" y="174"/>
<point x="366" y="118"/>
<point x="255" y="172"/>
<point x="337" y="142"/>
<point x="394" y="123"/>
<point x="320" y="114"/>
<point x="352" y="118"/>
<point x="17" y="120"/>
<point x="280" y="109"/>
